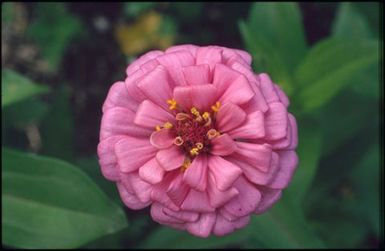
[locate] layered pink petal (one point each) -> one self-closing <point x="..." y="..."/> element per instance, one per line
<point x="150" y="115"/>
<point x="223" y="77"/>
<point x="133" y="90"/>
<point x="118" y="96"/>
<point x="185" y="216"/>
<point x="170" y="158"/>
<point x="119" y="121"/>
<point x="288" y="163"/>
<point x="210" y="55"/>
<point x="276" y="121"/>
<point x="267" y="88"/>
<point x="282" y="96"/>
<point x="229" y="117"/>
<point x="222" y="145"/>
<point x="158" y="192"/>
<point x="197" y="74"/>
<point x="199" y="96"/>
<point x="256" y="155"/>
<point x="134" y="66"/>
<point x="178" y="190"/>
<point x="203" y="226"/>
<point x="132" y="153"/>
<point x="252" y="128"/>
<point x="247" y="199"/>
<point x="239" y="92"/>
<point x="130" y="199"/>
<point x="155" y="85"/>
<point x="141" y="188"/>
<point x="224" y="172"/>
<point x="185" y="47"/>
<point x="107" y="158"/>
<point x="196" y="174"/>
<point x="216" y="196"/>
<point x="294" y="133"/>
<point x="151" y="171"/>
<point x="269" y="197"/>
<point x="163" y="138"/>
<point x="223" y="226"/>
<point x="158" y="215"/>
<point x="198" y="202"/>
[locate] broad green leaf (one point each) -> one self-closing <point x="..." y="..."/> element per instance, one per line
<point x="349" y="23"/>
<point x="309" y="152"/>
<point x="15" y="88"/>
<point x="48" y="203"/>
<point x="57" y="127"/>
<point x="330" y="66"/>
<point x="52" y="30"/>
<point x="274" y="35"/>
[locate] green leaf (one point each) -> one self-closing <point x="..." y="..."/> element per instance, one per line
<point x="275" y="37"/>
<point x="52" y="30"/>
<point x="134" y="9"/>
<point x="349" y="23"/>
<point x="58" y="126"/>
<point x="15" y="88"/>
<point x="7" y="12"/>
<point x="309" y="152"/>
<point x="330" y="66"/>
<point x="48" y="203"/>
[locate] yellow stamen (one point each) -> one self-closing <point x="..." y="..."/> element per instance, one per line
<point x="195" y="111"/>
<point x="167" y="125"/>
<point x="182" y="116"/>
<point x="172" y="103"/>
<point x="157" y="128"/>
<point x="199" y="145"/>
<point x="178" y="141"/>
<point x="186" y="164"/>
<point x="194" y="151"/>
<point x="206" y="115"/>
<point x="216" y="107"/>
<point x="212" y="133"/>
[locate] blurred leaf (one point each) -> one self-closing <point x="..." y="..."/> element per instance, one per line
<point x="309" y="152"/>
<point x="134" y="9"/>
<point x="26" y="112"/>
<point x="371" y="11"/>
<point x="274" y="35"/>
<point x="7" y="12"/>
<point x="330" y="66"/>
<point x="57" y="128"/>
<point x="349" y="23"/>
<point x="15" y="88"/>
<point x="52" y="29"/>
<point x="48" y="203"/>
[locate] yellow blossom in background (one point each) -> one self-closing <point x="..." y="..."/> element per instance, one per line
<point x="142" y="35"/>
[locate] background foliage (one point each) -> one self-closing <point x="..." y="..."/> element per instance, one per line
<point x="59" y="60"/>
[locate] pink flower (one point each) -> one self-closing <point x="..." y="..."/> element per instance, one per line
<point x="196" y="135"/>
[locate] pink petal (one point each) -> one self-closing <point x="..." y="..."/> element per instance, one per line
<point x="290" y="142"/>
<point x="107" y="157"/>
<point x="230" y="56"/>
<point x="170" y="158"/>
<point x="210" y="55"/>
<point x="162" y="139"/>
<point x="218" y="197"/>
<point x="119" y="121"/>
<point x="178" y="190"/>
<point x="155" y="86"/>
<point x="223" y="77"/>
<point x="185" y="47"/>
<point x="158" y="192"/>
<point x="282" y="96"/>
<point x="247" y="199"/>
<point x="149" y="65"/>
<point x="202" y="227"/>
<point x="222" y="145"/>
<point x="196" y="174"/>
<point x="158" y="215"/>
<point x="252" y="173"/>
<point x="227" y="215"/>
<point x="252" y="128"/>
<point x="269" y="197"/>
<point x="245" y="55"/>
<point x="198" y="202"/>
<point x="294" y="132"/>
<point x="276" y="121"/>
<point x="151" y="171"/>
<point x="267" y="88"/>
<point x="197" y="74"/>
<point x="229" y="117"/>
<point x="141" y="188"/>
<point x="135" y="65"/>
<point x="132" y="153"/>
<point x="133" y="90"/>
<point x="246" y="71"/>
<point x="238" y="92"/>
<point x="200" y="96"/>
<point x="224" y="172"/>
<point x="174" y="62"/>
<point x="150" y="115"/>
<point x="119" y="96"/>
<point x="257" y="103"/>
<point x="256" y="155"/>
<point x="288" y="163"/>
<point x="223" y="226"/>
<point x="129" y="199"/>
<point x="182" y="215"/>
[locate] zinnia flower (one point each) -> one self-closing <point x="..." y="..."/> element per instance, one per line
<point x="196" y="135"/>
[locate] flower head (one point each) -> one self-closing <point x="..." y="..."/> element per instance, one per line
<point x="196" y="135"/>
